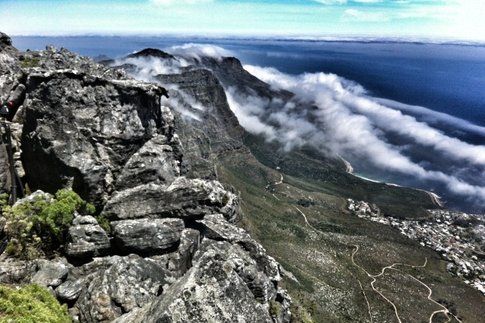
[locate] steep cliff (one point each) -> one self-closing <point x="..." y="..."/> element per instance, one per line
<point x="160" y="245"/>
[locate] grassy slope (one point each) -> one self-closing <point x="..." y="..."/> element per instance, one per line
<point x="328" y="286"/>
<point x="316" y="172"/>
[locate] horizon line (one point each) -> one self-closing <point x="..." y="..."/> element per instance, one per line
<point x="303" y="38"/>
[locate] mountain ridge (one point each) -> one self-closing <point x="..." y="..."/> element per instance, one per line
<point x="174" y="229"/>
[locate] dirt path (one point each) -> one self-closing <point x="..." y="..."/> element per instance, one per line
<point x="305" y="218"/>
<point x="374" y="279"/>
<point x="443" y="309"/>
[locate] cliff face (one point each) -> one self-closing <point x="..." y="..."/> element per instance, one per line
<point x="294" y="203"/>
<point x="170" y="250"/>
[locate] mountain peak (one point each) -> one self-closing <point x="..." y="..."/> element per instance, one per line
<point x="153" y="52"/>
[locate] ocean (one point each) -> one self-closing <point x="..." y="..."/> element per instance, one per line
<point x="439" y="86"/>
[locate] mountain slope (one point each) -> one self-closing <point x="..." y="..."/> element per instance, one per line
<point x="158" y="244"/>
<point x="295" y="204"/>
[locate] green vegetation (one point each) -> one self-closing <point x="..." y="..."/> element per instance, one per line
<point x="39" y="225"/>
<point x="30" y="303"/>
<point x="327" y="285"/>
<point x="29" y="62"/>
<point x="104" y="223"/>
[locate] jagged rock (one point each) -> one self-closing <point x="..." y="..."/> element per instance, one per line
<point x="130" y="282"/>
<point x="180" y="261"/>
<point x="16" y="271"/>
<point x="90" y="127"/>
<point x="216" y="227"/>
<point x="5" y="40"/>
<point x="86" y="238"/>
<point x="50" y="273"/>
<point x="216" y="289"/>
<point x="189" y="242"/>
<point x="69" y="291"/>
<point x="85" y="128"/>
<point x="185" y="198"/>
<point x="147" y="235"/>
<point x="155" y="162"/>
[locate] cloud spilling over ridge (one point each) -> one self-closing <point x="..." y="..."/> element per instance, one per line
<point x="198" y="51"/>
<point x="149" y="67"/>
<point x="338" y="117"/>
<point x="431" y="116"/>
<point x="350" y="123"/>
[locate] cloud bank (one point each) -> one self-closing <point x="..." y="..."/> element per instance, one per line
<point x="348" y="122"/>
<point x="338" y="117"/>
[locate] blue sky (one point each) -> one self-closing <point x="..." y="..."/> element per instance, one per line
<point x="455" y="19"/>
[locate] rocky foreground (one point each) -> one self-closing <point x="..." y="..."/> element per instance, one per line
<point x="458" y="237"/>
<point x="168" y="249"/>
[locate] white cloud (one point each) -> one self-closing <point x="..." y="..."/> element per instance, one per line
<point x="346" y="121"/>
<point x="368" y="1"/>
<point x="349" y="123"/>
<point x="367" y="16"/>
<point x="331" y="2"/>
<point x="199" y="50"/>
<point x="179" y="2"/>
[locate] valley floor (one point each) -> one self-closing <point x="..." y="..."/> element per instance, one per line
<point x="341" y="267"/>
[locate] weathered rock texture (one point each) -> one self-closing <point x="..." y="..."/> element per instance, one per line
<point x="171" y="253"/>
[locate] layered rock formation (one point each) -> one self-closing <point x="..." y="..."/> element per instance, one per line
<point x="172" y="252"/>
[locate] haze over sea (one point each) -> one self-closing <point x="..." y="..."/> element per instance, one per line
<point x="439" y="85"/>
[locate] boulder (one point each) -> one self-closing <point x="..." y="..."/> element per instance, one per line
<point x="213" y="290"/>
<point x="130" y="282"/>
<point x="178" y="262"/>
<point x="85" y="128"/>
<point x="5" y="40"/>
<point x="69" y="291"/>
<point x="215" y="226"/>
<point x="184" y="198"/>
<point x="155" y="162"/>
<point x="50" y="273"/>
<point x="145" y="236"/>
<point x="14" y="271"/>
<point x="86" y="239"/>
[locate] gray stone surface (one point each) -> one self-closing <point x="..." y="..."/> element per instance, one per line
<point x="69" y="291"/>
<point x="86" y="238"/>
<point x="50" y="273"/>
<point x="184" y="198"/>
<point x="155" y="162"/>
<point x="147" y="235"/>
<point x="92" y="128"/>
<point x="218" y="288"/>
<point x="129" y="282"/>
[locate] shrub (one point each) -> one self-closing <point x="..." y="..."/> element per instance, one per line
<point x="38" y="226"/>
<point x="104" y="223"/>
<point x="274" y="308"/>
<point x="30" y="303"/>
<point x="30" y="62"/>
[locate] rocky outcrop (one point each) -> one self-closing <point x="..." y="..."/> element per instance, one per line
<point x="185" y="198"/>
<point x="224" y="274"/>
<point x="163" y="245"/>
<point x="147" y="235"/>
<point x="86" y="239"/>
<point x="107" y="121"/>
